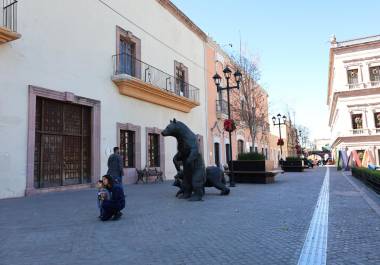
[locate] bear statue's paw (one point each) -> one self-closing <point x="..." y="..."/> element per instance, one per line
<point x="195" y="199"/>
<point x="179" y="193"/>
<point x="184" y="196"/>
<point x="225" y="192"/>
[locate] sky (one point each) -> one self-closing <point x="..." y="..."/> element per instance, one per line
<point x="291" y="40"/>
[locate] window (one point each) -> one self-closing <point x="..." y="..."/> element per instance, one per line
<point x="377" y="121"/>
<point x="128" y="49"/>
<point x="240" y="146"/>
<point x="127" y="147"/>
<point x="256" y="149"/>
<point x="127" y="57"/>
<point x="181" y="77"/>
<point x="357" y="123"/>
<point x="374" y="75"/>
<point x="352" y="77"/>
<point x="154" y="150"/>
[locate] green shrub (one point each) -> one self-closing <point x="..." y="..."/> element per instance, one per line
<point x="366" y="174"/>
<point x="251" y="156"/>
<point x="293" y="158"/>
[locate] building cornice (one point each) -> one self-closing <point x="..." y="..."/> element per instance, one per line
<point x="177" y="13"/>
<point x="351" y="93"/>
<point x="355" y="139"/>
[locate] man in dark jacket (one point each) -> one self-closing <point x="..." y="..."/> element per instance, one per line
<point x="112" y="207"/>
<point x="115" y="166"/>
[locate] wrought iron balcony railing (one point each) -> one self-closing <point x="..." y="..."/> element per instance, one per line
<point x="126" y="64"/>
<point x="222" y="107"/>
<point x="355" y="85"/>
<point x="360" y="132"/>
<point x="10" y="15"/>
<point x="374" y="83"/>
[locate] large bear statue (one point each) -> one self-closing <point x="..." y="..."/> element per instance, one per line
<point x="194" y="174"/>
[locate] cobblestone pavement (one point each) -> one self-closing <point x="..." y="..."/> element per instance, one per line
<point x="256" y="224"/>
<point x="354" y="227"/>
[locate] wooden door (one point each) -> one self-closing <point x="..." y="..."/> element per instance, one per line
<point x="63" y="144"/>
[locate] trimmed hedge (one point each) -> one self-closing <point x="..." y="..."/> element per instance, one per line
<point x="368" y="176"/>
<point x="251" y="156"/>
<point x="293" y="158"/>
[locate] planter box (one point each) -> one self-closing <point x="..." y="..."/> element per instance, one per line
<point x="254" y="171"/>
<point x="292" y="166"/>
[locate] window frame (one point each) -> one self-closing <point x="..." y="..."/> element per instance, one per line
<point x="137" y="141"/>
<point x="128" y="151"/>
<point x="161" y="148"/>
<point x="122" y="34"/>
<point x="154" y="150"/>
<point x="178" y="66"/>
<point x="240" y="146"/>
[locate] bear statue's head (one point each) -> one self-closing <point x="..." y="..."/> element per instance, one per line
<point x="172" y="129"/>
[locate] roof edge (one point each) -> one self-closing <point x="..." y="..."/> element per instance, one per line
<point x="176" y="12"/>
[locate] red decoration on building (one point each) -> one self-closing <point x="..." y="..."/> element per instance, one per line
<point x="280" y="141"/>
<point x="229" y="125"/>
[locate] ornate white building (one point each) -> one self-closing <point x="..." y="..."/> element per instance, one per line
<point x="354" y="96"/>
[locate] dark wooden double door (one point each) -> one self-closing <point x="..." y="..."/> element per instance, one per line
<point x="62" y="145"/>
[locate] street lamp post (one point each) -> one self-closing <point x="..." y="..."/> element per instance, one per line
<point x="301" y="140"/>
<point x="217" y="79"/>
<point x="279" y="123"/>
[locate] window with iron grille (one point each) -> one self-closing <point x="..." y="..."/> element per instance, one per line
<point x="374" y="74"/>
<point x="352" y="76"/>
<point x="127" y="148"/>
<point x="357" y="121"/>
<point x="181" y="77"/>
<point x="154" y="149"/>
<point x="377" y="119"/>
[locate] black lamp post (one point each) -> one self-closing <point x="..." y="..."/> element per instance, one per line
<point x="279" y="123"/>
<point x="217" y="79"/>
<point x="301" y="140"/>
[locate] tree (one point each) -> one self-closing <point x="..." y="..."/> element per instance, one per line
<point x="249" y="105"/>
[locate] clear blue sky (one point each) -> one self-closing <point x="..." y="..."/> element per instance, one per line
<point x="291" y="38"/>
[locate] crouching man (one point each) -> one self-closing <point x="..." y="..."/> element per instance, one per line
<point x="111" y="207"/>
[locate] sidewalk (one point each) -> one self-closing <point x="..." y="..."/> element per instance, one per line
<point x="354" y="227"/>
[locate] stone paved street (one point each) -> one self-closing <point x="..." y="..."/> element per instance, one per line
<point x="256" y="224"/>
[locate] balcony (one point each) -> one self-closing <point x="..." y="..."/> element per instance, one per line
<point x="352" y="86"/>
<point x="8" y="28"/>
<point x="374" y="83"/>
<point x="221" y="109"/>
<point x="359" y="132"/>
<point x="139" y="80"/>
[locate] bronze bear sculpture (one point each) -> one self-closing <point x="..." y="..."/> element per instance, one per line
<point x="192" y="178"/>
